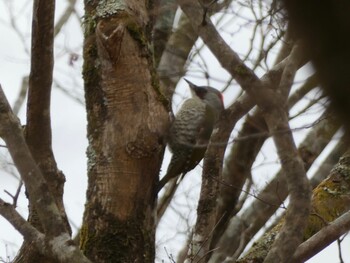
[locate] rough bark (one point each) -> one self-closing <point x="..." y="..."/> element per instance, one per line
<point x="127" y="119"/>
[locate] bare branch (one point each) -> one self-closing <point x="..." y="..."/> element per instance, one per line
<point x="272" y="103"/>
<point x="296" y="218"/>
<point x="65" y="16"/>
<point x="165" y="13"/>
<point x="206" y="219"/>
<point x="330" y="200"/>
<point x="40" y="79"/>
<point x="26" y="229"/>
<point x="16" y="195"/>
<point x="274" y="193"/>
<point x="165" y="200"/>
<point x="330" y="232"/>
<point x="50" y="216"/>
<point x="11" y="132"/>
<point x="226" y="56"/>
<point x="21" y="95"/>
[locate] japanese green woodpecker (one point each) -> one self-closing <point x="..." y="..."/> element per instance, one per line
<point x="190" y="132"/>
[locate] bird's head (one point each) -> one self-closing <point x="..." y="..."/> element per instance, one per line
<point x="210" y="96"/>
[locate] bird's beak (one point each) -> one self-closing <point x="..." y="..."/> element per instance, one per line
<point x="192" y="86"/>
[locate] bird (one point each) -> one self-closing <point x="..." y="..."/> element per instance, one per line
<point x="190" y="132"/>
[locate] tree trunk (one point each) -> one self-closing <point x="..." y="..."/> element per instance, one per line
<point x="127" y="119"/>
